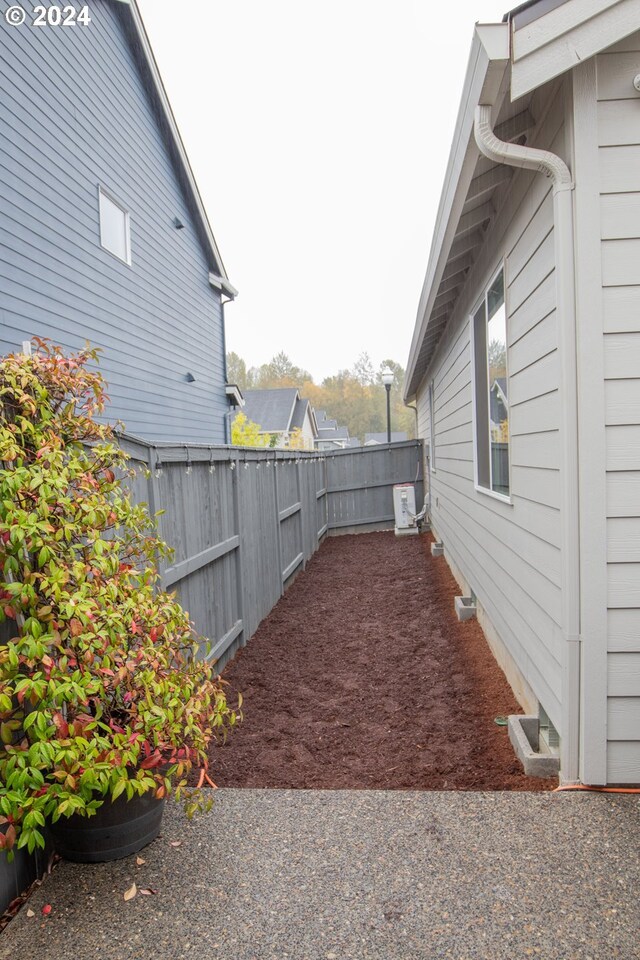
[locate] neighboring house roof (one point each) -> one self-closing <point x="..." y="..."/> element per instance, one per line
<point x="497" y="402"/>
<point x="353" y="442"/>
<point x="326" y="424"/>
<point x="502" y="385"/>
<point x="506" y="58"/>
<point x="333" y="433"/>
<point x="396" y="437"/>
<point x="301" y="411"/>
<point x="272" y="410"/>
<point x="330" y="432"/>
<point x="133" y="25"/>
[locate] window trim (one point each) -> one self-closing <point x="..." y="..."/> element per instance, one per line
<point x="103" y="192"/>
<point x="487" y="491"/>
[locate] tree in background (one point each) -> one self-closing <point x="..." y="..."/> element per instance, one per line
<point x="237" y="371"/>
<point x="356" y="398"/>
<point x="246" y="433"/>
<point x="296" y="440"/>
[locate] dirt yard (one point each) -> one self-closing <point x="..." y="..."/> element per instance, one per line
<point x="363" y="678"/>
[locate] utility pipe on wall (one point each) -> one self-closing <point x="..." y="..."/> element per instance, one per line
<point x="553" y="166"/>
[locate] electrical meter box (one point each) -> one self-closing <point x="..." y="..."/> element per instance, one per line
<point x="404" y="509"/>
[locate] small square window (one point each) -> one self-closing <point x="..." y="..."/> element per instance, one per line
<point x="491" y="390"/>
<point x="114" y="227"/>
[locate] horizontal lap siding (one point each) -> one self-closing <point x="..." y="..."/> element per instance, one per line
<point x="509" y="554"/>
<point x="75" y="115"/>
<point x="619" y="158"/>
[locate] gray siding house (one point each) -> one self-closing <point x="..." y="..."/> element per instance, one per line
<point x="104" y="236"/>
<point x="525" y="365"/>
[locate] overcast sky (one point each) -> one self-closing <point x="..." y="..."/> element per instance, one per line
<point x="319" y="134"/>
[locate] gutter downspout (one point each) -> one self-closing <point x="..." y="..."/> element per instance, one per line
<point x="413" y="407"/>
<point x="543" y="161"/>
<point x="227" y="416"/>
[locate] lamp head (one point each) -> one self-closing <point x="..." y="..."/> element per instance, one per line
<point x="387" y="377"/>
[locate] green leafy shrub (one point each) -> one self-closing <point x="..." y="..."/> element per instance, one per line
<point x="101" y="690"/>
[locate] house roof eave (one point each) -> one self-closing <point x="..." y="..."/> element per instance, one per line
<point x="488" y="62"/>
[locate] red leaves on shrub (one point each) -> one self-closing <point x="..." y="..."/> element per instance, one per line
<point x="153" y="761"/>
<point x="62" y="727"/>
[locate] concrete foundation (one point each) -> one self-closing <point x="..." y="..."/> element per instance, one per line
<point x="465" y="608"/>
<point x="523" y="692"/>
<point x="524" y="733"/>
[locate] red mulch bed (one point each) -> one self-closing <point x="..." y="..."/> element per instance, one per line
<point x="363" y="678"/>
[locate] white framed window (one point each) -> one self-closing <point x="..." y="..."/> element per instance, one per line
<point x="115" y="235"/>
<point x="491" y="391"/>
<point x="432" y="428"/>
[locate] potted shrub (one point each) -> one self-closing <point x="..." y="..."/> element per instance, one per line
<point x="105" y="706"/>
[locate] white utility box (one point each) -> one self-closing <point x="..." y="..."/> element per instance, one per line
<point x="404" y="509"/>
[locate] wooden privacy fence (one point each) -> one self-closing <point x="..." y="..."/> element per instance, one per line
<point x="243" y="522"/>
<point x="360" y="482"/>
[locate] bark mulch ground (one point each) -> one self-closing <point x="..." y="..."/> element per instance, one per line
<point x="363" y="678"/>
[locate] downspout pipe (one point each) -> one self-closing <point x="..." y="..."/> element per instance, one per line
<point x="554" y="167"/>
<point x="413" y="407"/>
<point x="227" y="416"/>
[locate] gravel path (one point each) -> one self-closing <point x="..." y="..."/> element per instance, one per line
<point x="321" y="875"/>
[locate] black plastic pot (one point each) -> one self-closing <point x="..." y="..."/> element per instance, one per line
<point x="118" y="829"/>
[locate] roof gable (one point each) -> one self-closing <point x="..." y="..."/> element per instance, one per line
<point x="273" y="409"/>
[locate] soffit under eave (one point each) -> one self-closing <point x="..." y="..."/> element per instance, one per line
<point x="484" y="83"/>
<point x="490" y="182"/>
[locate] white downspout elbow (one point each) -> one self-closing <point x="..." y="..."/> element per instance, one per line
<point x="553" y="166"/>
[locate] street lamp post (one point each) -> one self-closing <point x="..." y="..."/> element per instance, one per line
<point x="387" y="379"/>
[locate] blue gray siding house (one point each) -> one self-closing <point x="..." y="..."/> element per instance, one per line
<point x="104" y="236"/>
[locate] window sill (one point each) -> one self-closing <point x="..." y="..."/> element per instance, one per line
<point x="494" y="496"/>
<point x="115" y="256"/>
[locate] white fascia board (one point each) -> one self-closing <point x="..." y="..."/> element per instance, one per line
<point x="488" y="63"/>
<point x="175" y="133"/>
<point x="561" y="40"/>
<point x="234" y="394"/>
<point x="222" y="284"/>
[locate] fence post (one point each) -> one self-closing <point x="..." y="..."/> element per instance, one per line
<point x="276" y="490"/>
<point x="325" y="474"/>
<point x="300" y="515"/>
<point x="237" y="509"/>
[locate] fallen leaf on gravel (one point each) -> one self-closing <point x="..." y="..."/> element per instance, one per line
<point x="140" y="861"/>
<point x="30" y="912"/>
<point x="131" y="892"/>
<point x="148" y="893"/>
<point x="175" y="843"/>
